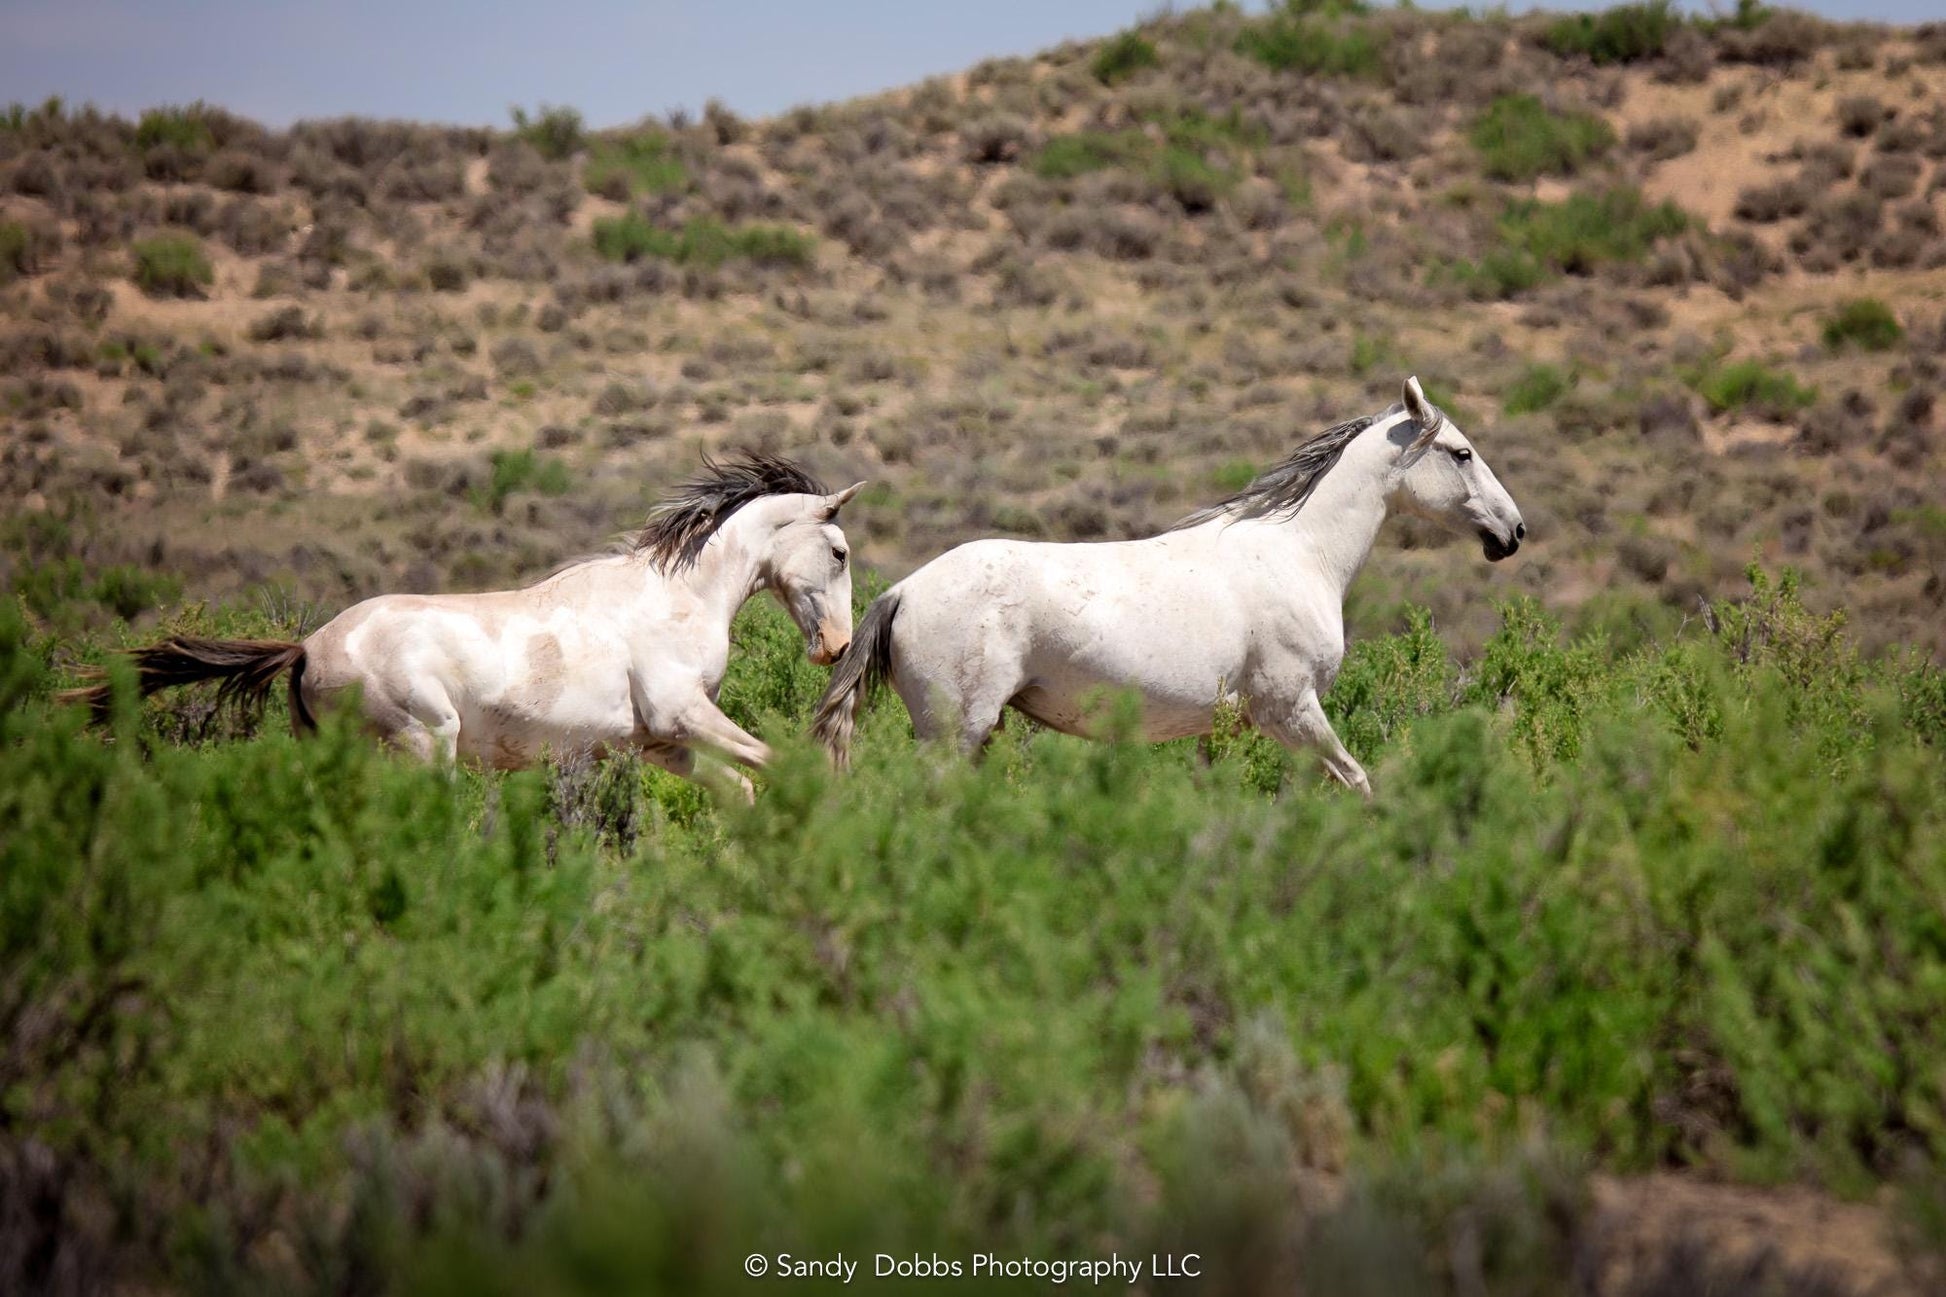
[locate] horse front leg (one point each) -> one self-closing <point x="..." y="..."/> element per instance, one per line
<point x="679" y="760"/>
<point x="1304" y="724"/>
<point x="689" y="717"/>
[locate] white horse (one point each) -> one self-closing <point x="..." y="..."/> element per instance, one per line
<point x="1241" y="602"/>
<point x="627" y="650"/>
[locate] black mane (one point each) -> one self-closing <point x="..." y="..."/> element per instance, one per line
<point x="681" y="525"/>
<point x="1281" y="490"/>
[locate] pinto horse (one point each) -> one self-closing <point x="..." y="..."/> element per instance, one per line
<point x="624" y="650"/>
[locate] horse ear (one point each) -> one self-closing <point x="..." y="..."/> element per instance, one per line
<point x="833" y="503"/>
<point x="1422" y="413"/>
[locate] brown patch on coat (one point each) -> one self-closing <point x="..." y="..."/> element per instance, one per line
<point x="546" y="677"/>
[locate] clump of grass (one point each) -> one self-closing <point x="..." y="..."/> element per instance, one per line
<point x="1192" y="179"/>
<point x="185" y="128"/>
<point x="1067" y="156"/>
<point x="1585" y="230"/>
<point x="24" y="247"/>
<point x="1519" y="139"/>
<point x="621" y="167"/>
<point x="521" y="470"/>
<point x="1575" y="236"/>
<point x="705" y="242"/>
<point x="1538" y="387"/>
<point x="556" y="133"/>
<point x="1750" y="385"/>
<point x="1863" y="322"/>
<point x="1313" y="39"/>
<point x="172" y="265"/>
<point x="1123" y="56"/>
<point x="1624" y="34"/>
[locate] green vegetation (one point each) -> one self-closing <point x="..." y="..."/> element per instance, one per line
<point x="1751" y="385"/>
<point x="1624" y="34"/>
<point x="1519" y="139"/>
<point x="1321" y="40"/>
<point x="1067" y="156"/>
<point x="492" y="1033"/>
<point x="1584" y="230"/>
<point x="1575" y="236"/>
<point x="555" y="133"/>
<point x="702" y="241"/>
<point x="521" y="470"/>
<point x="1538" y="387"/>
<point x="17" y="251"/>
<point x="171" y="265"/>
<point x="186" y="128"/>
<point x="1863" y="322"/>
<point x="641" y="163"/>
<point x="1197" y="161"/>
<point x="1121" y="57"/>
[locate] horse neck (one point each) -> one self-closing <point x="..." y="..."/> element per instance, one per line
<point x="734" y="565"/>
<point x="1339" y="524"/>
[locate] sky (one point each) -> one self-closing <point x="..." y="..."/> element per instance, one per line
<point x="470" y="61"/>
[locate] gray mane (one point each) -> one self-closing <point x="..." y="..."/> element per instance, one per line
<point x="1281" y="490"/>
<point x="681" y="525"/>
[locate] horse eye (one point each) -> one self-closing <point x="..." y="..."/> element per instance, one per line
<point x="1462" y="454"/>
<point x="839" y="555"/>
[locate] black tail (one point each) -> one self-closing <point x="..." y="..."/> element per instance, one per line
<point x="247" y="667"/>
<point x="858" y="674"/>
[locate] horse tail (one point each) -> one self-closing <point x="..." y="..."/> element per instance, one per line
<point x="856" y="677"/>
<point x="247" y="667"/>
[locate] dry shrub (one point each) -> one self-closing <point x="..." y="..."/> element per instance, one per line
<point x="1687" y="57"/>
<point x="1785" y="39"/>
<point x="251" y="228"/>
<point x="1662" y="138"/>
<point x="1860" y="115"/>
<point x="1839" y="229"/>
<point x="1764" y="204"/>
<point x="1890" y="175"/>
<point x="1824" y="164"/>
<point x="995" y="138"/>
<point x="285" y="324"/>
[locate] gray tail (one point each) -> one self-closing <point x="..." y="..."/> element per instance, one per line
<point x="857" y="676"/>
<point x="247" y="668"/>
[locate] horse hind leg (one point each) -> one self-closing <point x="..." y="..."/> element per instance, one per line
<point x="427" y="726"/>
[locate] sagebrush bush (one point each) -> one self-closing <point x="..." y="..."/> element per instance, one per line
<point x="1538" y="387"/>
<point x="554" y="132"/>
<point x="1585" y="231"/>
<point x="1863" y="322"/>
<point x="633" y="236"/>
<point x="1121" y="57"/>
<point x="1751" y="385"/>
<point x="25" y="248"/>
<point x="1626" y="33"/>
<point x="460" y="1028"/>
<point x="171" y="265"/>
<point x="1520" y="139"/>
<point x="624" y="166"/>
<point x="1318" y="43"/>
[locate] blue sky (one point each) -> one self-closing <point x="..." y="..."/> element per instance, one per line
<point x="460" y="61"/>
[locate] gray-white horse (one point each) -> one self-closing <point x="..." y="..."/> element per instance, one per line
<point x="621" y="651"/>
<point x="1241" y="602"/>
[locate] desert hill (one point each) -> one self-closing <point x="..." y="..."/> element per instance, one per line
<point x="1682" y="281"/>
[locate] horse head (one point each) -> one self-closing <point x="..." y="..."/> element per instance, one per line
<point x="1442" y="478"/>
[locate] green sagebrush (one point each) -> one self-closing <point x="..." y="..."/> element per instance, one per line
<point x="1679" y="903"/>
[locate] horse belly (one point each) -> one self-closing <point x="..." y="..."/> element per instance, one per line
<point x="520" y="723"/>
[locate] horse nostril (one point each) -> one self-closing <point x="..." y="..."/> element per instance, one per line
<point x="1520" y="531"/>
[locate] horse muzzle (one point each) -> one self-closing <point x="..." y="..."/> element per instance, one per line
<point x="1496" y="548"/>
<point x="828" y="646"/>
